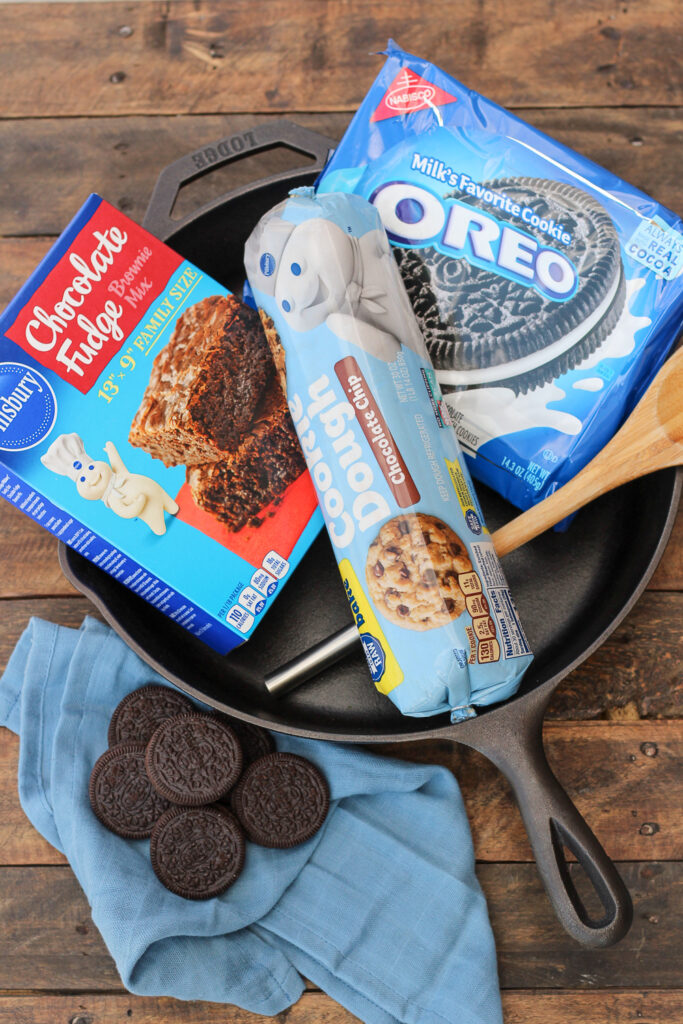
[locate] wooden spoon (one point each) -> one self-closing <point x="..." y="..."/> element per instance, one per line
<point x="650" y="439"/>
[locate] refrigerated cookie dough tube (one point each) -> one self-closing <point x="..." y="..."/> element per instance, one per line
<point x="436" y="618"/>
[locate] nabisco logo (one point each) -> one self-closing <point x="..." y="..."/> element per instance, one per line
<point x="409" y="93"/>
<point x="407" y="96"/>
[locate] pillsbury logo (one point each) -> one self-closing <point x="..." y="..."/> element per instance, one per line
<point x="28" y="407"/>
<point x="414" y="216"/>
<point x="267" y="264"/>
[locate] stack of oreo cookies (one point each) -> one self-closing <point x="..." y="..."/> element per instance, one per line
<point x="197" y="785"/>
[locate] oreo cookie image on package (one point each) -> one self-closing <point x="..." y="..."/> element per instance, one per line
<point x="548" y="290"/>
<point x="484" y="329"/>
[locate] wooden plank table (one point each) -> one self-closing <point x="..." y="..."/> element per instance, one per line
<point x="100" y="96"/>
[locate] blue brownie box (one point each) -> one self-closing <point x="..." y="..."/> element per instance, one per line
<point x="141" y="423"/>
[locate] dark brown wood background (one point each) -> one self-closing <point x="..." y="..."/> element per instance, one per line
<point x="99" y="97"/>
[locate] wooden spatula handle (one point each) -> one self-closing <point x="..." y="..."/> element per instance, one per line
<point x="539" y="518"/>
<point x="642" y="445"/>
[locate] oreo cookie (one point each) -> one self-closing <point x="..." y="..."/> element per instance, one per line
<point x="121" y="795"/>
<point x="140" y="713"/>
<point x="254" y="741"/>
<point x="197" y="852"/>
<point x="193" y="759"/>
<point x="485" y="329"/>
<point x="281" y="800"/>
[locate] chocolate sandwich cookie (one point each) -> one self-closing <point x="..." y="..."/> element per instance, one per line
<point x="193" y="759"/>
<point x="254" y="741"/>
<point x="141" y="712"/>
<point x="281" y="800"/>
<point x="121" y="795"/>
<point x="484" y="330"/>
<point x="197" y="852"/>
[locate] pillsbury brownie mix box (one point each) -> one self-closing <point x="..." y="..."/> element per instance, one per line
<point x="548" y="291"/>
<point x="141" y="423"/>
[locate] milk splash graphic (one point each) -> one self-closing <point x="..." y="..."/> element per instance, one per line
<point x="487" y="413"/>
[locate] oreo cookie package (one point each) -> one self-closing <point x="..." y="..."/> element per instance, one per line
<point x="437" y="622"/>
<point x="548" y="290"/>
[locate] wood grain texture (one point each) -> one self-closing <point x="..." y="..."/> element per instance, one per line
<point x="66" y="158"/>
<point x="28" y="555"/>
<point x="662" y="1007"/>
<point x="626" y="779"/>
<point x="636" y="673"/>
<point x="19" y="257"/>
<point x="206" y="56"/>
<point x="669" y="572"/>
<point x="49" y="943"/>
<point x="19" y="841"/>
<point x="519" y="1007"/>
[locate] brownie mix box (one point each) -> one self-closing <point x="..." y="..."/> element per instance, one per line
<point x="141" y="422"/>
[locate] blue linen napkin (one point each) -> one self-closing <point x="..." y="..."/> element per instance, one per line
<point x="381" y="909"/>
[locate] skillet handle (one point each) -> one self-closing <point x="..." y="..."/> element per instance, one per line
<point x="216" y="154"/>
<point x="515" y="745"/>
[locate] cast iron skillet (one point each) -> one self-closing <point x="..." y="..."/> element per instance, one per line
<point x="572" y="590"/>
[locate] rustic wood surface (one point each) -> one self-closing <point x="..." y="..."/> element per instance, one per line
<point x="99" y="97"/>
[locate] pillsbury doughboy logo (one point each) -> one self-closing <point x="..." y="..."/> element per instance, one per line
<point x="28" y="407"/>
<point x="414" y="216"/>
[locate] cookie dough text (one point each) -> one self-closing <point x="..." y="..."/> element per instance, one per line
<point x="335" y="417"/>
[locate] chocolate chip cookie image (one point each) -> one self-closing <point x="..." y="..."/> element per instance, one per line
<point x="412" y="572"/>
<point x="485" y="330"/>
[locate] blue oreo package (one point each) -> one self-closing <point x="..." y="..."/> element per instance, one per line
<point x="435" y="616"/>
<point x="548" y="290"/>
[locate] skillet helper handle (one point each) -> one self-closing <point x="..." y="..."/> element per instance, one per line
<point x="553" y="823"/>
<point x="223" y="151"/>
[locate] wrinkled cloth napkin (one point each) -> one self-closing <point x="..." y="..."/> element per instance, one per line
<point x="381" y="909"/>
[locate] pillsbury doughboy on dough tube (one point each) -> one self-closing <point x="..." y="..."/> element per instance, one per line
<point x="435" y="616"/>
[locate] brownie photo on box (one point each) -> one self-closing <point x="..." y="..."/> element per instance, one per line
<point x="214" y="405"/>
<point x="205" y="384"/>
<point x="266" y="462"/>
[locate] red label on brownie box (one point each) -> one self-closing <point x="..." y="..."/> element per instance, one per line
<point x="79" y="317"/>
